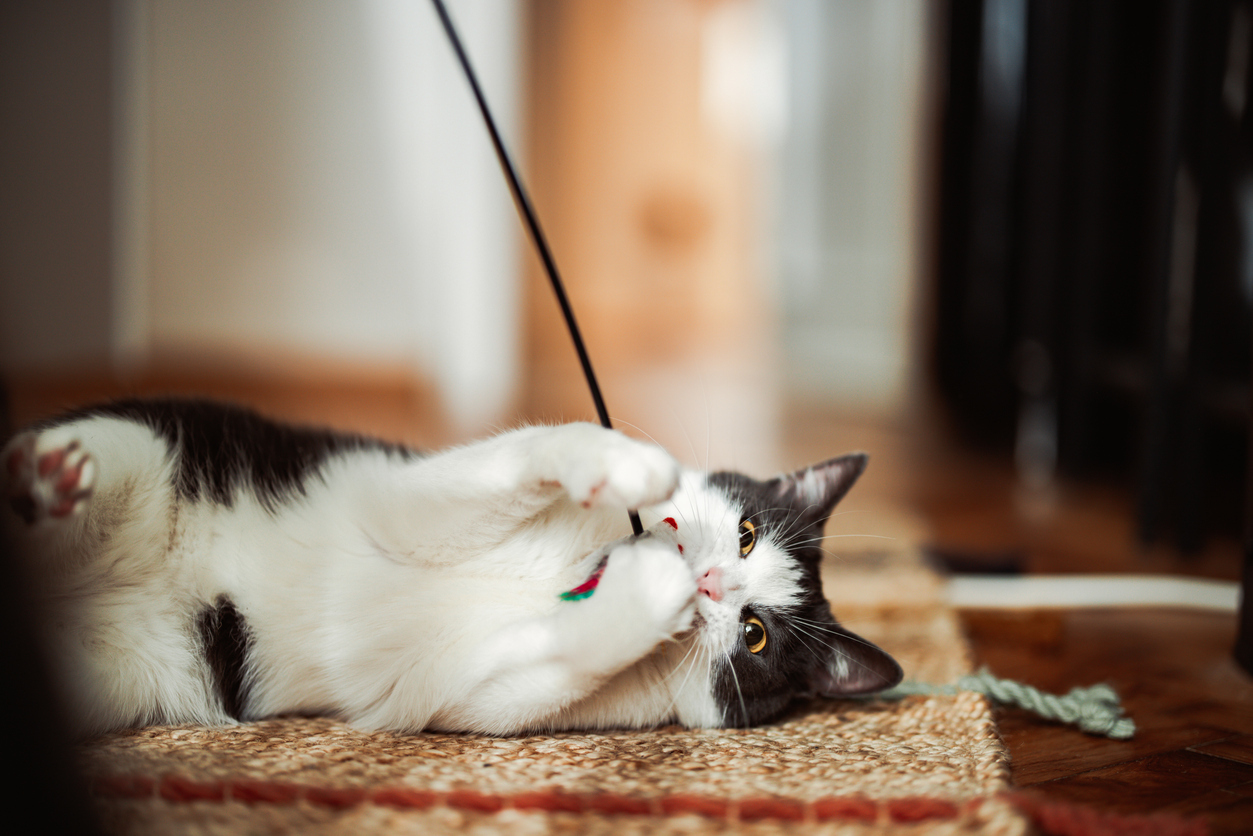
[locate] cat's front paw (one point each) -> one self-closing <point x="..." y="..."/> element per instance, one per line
<point x="656" y="585"/>
<point x="608" y="469"/>
<point x="47" y="475"/>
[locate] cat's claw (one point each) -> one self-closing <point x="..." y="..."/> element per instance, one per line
<point x="46" y="476"/>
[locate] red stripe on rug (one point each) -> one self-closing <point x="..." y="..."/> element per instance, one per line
<point x="846" y="809"/>
<point x="773" y="809"/>
<point x="476" y="801"/>
<point x="406" y="797"/>
<point x="681" y="805"/>
<point x="1053" y="818"/>
<point x="549" y="802"/>
<point x="609" y="804"/>
<point x="251" y="791"/>
<point x="176" y="788"/>
<point x="335" y="796"/>
<point x="909" y="810"/>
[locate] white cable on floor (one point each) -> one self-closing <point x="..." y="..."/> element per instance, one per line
<point x="1063" y="591"/>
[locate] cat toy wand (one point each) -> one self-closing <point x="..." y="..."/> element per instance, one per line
<point x="532" y="224"/>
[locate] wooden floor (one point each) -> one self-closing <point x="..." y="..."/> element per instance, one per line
<point x="1193" y="753"/>
<point x="1193" y="749"/>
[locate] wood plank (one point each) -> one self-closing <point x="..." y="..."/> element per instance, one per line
<point x="1228" y="812"/>
<point x="1172" y="780"/>
<point x="1043" y="752"/>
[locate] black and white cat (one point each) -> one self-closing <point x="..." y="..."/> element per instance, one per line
<point x="206" y="565"/>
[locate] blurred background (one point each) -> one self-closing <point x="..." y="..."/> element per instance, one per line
<point x="999" y="244"/>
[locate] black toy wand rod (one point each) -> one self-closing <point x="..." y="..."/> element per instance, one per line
<point x="532" y="224"/>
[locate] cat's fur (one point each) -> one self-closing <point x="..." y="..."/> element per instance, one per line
<point x="206" y="565"/>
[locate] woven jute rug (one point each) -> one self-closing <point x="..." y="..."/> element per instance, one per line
<point x="925" y="764"/>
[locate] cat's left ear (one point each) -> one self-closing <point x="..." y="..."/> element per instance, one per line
<point x="818" y="488"/>
<point x="854" y="666"/>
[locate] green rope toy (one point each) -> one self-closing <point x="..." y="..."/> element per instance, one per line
<point x="1095" y="709"/>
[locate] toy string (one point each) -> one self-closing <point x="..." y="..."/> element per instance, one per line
<point x="532" y="224"/>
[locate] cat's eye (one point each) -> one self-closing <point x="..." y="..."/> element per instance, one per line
<point x="754" y="634"/>
<point x="748" y="537"/>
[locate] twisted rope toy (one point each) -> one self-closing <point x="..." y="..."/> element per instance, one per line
<point x="1095" y="709"/>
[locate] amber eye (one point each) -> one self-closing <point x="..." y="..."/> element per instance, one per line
<point x="748" y="537"/>
<point x="754" y="634"/>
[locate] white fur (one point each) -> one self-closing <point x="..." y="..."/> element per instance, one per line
<point x="401" y="594"/>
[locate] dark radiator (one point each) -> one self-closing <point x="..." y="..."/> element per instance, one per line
<point x="1093" y="266"/>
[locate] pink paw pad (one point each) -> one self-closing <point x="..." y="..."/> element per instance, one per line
<point x="591" y="494"/>
<point x="49" y="484"/>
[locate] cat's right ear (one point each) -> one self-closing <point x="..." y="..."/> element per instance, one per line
<point x="818" y="488"/>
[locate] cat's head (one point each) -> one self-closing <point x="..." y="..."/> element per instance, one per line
<point x="764" y="625"/>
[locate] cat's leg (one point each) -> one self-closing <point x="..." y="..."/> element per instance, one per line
<point x="531" y="671"/>
<point x="89" y="507"/>
<point x="468" y="497"/>
<point x="590" y="464"/>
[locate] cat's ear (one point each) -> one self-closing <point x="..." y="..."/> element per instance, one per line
<point x="854" y="666"/>
<point x="818" y="488"/>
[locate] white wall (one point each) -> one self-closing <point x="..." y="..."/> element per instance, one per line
<point x="847" y="210"/>
<point x="313" y="179"/>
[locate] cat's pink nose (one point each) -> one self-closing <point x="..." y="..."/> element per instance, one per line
<point x="710" y="584"/>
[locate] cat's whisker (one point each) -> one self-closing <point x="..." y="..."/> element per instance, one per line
<point x="699" y="509"/>
<point x="812" y="629"/>
<point x="763" y="511"/>
<point x="787" y="537"/>
<point x="638" y="429"/>
<point x="821" y="537"/>
<point x="815" y="540"/>
<point x="696" y="462"/>
<point x="826" y="626"/>
<point x="693" y="647"/>
<point x="819" y="654"/>
<point x="833" y="630"/>
<point x="693" y="653"/>
<point x="678" y="509"/>
<point x="871" y="536"/>
<point x="709" y="428"/>
<point x="739" y="691"/>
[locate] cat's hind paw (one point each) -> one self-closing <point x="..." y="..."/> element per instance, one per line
<point x="47" y="475"/>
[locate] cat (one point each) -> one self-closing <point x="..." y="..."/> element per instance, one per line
<point x="204" y="564"/>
